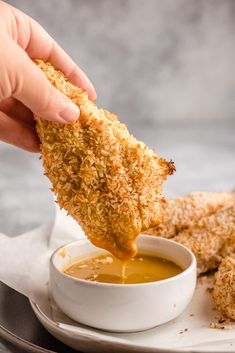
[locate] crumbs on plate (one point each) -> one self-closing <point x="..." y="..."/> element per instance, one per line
<point x="222" y="324"/>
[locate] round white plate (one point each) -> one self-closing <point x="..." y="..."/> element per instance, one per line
<point x="188" y="333"/>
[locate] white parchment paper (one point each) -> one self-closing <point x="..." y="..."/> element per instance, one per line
<point x="24" y="259"/>
<point x="24" y="266"/>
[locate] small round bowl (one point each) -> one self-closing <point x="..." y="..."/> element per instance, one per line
<point x="123" y="307"/>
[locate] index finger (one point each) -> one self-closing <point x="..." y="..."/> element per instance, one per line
<point x="42" y="46"/>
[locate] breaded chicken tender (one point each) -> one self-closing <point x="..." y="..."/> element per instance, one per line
<point x="206" y="240"/>
<point x="185" y="212"/>
<point x="103" y="177"/>
<point x="224" y="287"/>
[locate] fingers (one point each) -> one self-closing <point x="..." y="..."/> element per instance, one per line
<point x="32" y="88"/>
<point x="17" y="110"/>
<point x="40" y="45"/>
<point x="18" y="134"/>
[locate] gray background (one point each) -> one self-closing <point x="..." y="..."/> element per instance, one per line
<point x="166" y="67"/>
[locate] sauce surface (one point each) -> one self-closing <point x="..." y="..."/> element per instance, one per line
<point x="108" y="269"/>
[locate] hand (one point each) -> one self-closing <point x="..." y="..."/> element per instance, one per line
<point x="24" y="89"/>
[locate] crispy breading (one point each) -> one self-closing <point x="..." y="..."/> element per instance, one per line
<point x="224" y="287"/>
<point x="185" y="212"/>
<point x="103" y="177"/>
<point x="206" y="240"/>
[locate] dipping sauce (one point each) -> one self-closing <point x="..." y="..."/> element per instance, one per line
<point x="108" y="269"/>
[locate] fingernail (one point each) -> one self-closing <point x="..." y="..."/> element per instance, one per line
<point x="70" y="113"/>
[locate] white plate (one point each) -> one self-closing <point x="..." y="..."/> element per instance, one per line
<point x="188" y="333"/>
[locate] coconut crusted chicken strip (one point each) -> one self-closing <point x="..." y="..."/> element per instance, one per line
<point x="207" y="239"/>
<point x="185" y="212"/>
<point x="224" y="287"/>
<point x="103" y="177"/>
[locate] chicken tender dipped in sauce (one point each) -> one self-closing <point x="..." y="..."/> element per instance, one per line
<point x="103" y="177"/>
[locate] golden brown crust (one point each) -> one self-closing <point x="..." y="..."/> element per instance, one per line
<point x="224" y="287"/>
<point x="106" y="180"/>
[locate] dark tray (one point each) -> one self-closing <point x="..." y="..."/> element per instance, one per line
<point x="20" y="331"/>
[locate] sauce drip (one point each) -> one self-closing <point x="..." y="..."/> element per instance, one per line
<point x="123" y="275"/>
<point x="106" y="268"/>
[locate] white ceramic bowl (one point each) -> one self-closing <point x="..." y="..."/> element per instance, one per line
<point x="129" y="307"/>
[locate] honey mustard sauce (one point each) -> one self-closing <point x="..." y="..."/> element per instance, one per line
<point x="105" y="268"/>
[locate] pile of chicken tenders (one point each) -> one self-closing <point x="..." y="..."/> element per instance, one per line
<point x="205" y="223"/>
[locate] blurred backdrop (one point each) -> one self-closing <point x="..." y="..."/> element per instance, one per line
<point x="167" y="69"/>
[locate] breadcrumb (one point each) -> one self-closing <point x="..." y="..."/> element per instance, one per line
<point x="220" y="326"/>
<point x="103" y="177"/>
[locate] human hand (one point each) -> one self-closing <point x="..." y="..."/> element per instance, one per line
<point x="24" y="89"/>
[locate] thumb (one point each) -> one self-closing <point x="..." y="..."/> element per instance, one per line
<point x="33" y="89"/>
